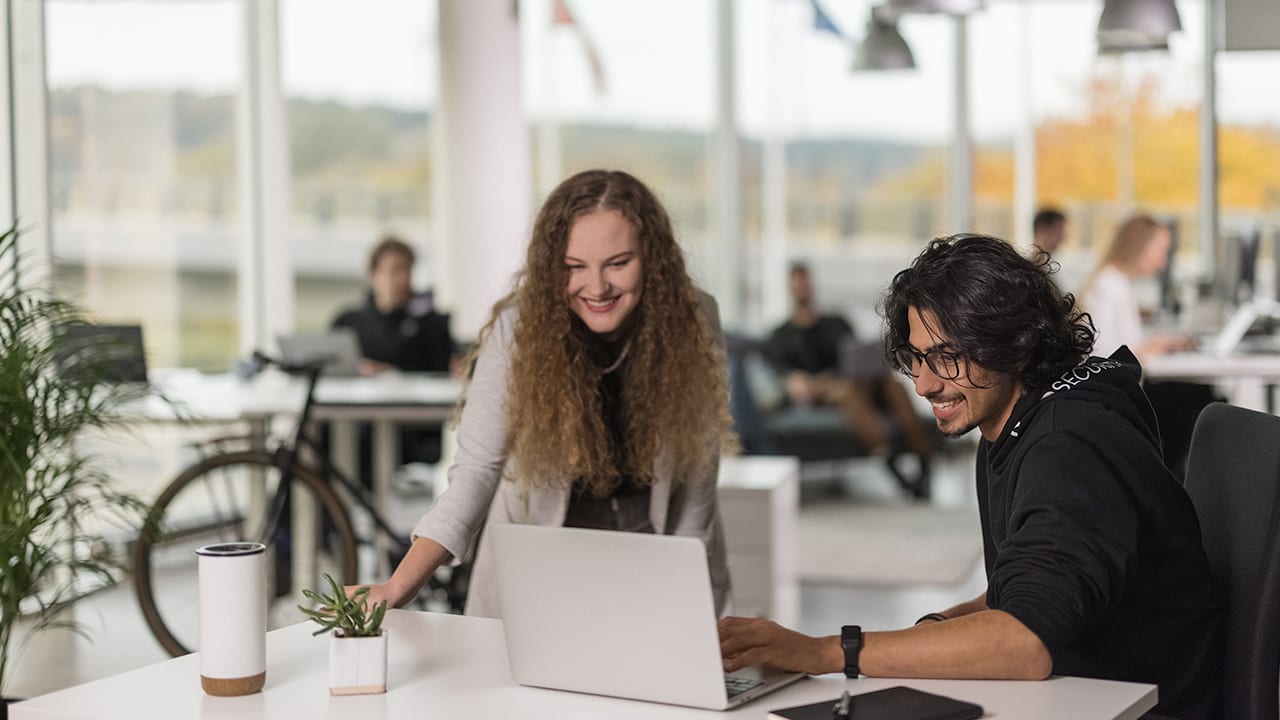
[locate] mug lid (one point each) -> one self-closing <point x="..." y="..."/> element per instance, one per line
<point x="231" y="549"/>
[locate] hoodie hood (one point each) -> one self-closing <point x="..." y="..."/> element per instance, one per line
<point x="1114" y="382"/>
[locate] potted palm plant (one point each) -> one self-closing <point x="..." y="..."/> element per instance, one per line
<point x="57" y="505"/>
<point x="358" y="642"/>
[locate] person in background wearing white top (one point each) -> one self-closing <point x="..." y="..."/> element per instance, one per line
<point x="1139" y="249"/>
<point x="599" y="397"/>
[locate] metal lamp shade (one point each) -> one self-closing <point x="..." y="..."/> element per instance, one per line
<point x="1136" y="24"/>
<point x="883" y="48"/>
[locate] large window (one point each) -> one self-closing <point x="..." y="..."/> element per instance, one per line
<point x="1249" y="157"/>
<point x="628" y="84"/>
<point x="142" y="133"/>
<point x="865" y="152"/>
<point x="359" y="78"/>
<point x="1115" y="134"/>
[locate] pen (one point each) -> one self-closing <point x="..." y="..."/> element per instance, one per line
<point x="841" y="709"/>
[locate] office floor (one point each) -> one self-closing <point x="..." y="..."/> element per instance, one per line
<point x="118" y="639"/>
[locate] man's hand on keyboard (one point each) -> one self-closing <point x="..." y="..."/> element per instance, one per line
<point x="756" y="641"/>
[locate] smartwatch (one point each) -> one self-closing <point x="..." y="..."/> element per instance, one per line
<point x="851" y="643"/>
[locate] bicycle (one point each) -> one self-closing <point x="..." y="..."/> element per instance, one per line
<point x="273" y="495"/>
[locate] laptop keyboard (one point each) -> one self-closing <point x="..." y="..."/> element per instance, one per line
<point x="738" y="685"/>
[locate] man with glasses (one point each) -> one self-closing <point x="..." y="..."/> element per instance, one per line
<point x="1093" y="554"/>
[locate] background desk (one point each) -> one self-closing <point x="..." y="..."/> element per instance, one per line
<point x="448" y="666"/>
<point x="383" y="400"/>
<point x="1245" y="377"/>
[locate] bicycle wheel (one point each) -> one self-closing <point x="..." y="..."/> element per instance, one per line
<point x="226" y="498"/>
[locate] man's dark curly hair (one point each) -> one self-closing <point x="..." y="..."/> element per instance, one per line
<point x="997" y="308"/>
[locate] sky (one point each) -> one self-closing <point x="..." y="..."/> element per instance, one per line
<point x="658" y="58"/>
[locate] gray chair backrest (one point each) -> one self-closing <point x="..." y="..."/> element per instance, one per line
<point x="1233" y="477"/>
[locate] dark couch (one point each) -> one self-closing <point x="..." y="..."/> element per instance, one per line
<point x="768" y="425"/>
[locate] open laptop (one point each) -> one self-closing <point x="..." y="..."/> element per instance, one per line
<point x="339" y="346"/>
<point x="1230" y="338"/>
<point x="622" y="614"/>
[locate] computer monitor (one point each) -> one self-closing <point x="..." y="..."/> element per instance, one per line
<point x="102" y="353"/>
<point x="1275" y="262"/>
<point x="1238" y="265"/>
<point x="1169" y="305"/>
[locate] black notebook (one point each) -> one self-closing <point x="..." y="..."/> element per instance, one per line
<point x="895" y="703"/>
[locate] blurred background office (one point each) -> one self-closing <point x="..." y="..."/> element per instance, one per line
<point x="216" y="170"/>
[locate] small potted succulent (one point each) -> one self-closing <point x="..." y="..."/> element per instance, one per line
<point x="358" y="645"/>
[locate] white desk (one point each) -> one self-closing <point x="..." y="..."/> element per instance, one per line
<point x="1244" y="376"/>
<point x="391" y="396"/>
<point x="448" y="666"/>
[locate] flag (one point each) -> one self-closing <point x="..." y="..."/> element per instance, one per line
<point x="822" y="21"/>
<point x="561" y="16"/>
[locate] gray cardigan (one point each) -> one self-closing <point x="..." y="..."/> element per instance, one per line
<point x="476" y="485"/>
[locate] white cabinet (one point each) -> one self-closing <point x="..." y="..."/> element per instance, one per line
<point x="759" y="499"/>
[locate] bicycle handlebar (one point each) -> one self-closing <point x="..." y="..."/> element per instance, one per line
<point x="311" y="366"/>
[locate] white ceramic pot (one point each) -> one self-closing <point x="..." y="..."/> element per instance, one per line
<point x="357" y="665"/>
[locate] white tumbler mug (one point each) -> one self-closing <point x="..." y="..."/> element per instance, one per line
<point x="233" y="618"/>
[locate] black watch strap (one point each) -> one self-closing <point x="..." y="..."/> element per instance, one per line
<point x="851" y="643"/>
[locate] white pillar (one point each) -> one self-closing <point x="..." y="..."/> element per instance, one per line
<point x="726" y="258"/>
<point x="264" y="265"/>
<point x="773" y="191"/>
<point x="484" y="171"/>
<point x="1208" y="175"/>
<point x="960" y="196"/>
<point x="1024" y="142"/>
<point x="27" y="183"/>
<point x="7" y="201"/>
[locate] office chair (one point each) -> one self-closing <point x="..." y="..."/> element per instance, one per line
<point x="1233" y="478"/>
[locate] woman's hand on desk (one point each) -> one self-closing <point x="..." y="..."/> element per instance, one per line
<point x="369" y="368"/>
<point x="756" y="641"/>
<point x="424" y="556"/>
<point x="377" y="593"/>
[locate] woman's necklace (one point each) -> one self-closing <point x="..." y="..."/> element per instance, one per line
<point x="621" y="356"/>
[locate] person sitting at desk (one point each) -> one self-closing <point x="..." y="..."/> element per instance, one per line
<point x="599" y="397"/>
<point x="398" y="330"/>
<point x="1140" y="249"/>
<point x="806" y="350"/>
<point x="1093" y="552"/>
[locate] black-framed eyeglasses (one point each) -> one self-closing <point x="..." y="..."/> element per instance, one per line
<point x="944" y="363"/>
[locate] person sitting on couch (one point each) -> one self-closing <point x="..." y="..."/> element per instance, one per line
<point x="805" y="350"/>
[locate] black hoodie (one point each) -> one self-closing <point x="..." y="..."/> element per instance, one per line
<point x="413" y="337"/>
<point x="1093" y="545"/>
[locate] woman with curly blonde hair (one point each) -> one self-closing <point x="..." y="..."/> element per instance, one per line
<point x="599" y="397"/>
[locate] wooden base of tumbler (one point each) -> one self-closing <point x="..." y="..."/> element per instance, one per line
<point x="231" y="687"/>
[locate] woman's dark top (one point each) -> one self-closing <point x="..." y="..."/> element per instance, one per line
<point x="626" y="507"/>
